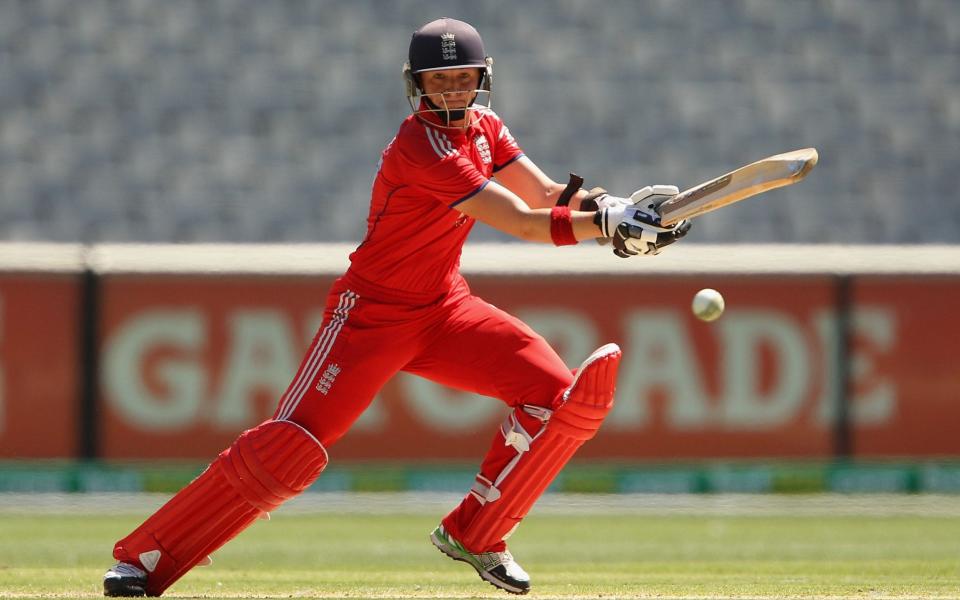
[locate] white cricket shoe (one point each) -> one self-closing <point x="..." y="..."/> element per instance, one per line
<point x="497" y="568"/>
<point x="124" y="579"/>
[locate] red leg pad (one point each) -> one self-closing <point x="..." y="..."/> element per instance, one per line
<point x="528" y="453"/>
<point x="264" y="467"/>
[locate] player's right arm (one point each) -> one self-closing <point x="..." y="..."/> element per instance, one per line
<point x="527" y="181"/>
<point x="503" y="210"/>
<point x="634" y="230"/>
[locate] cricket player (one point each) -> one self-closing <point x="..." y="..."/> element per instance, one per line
<point x="403" y="306"/>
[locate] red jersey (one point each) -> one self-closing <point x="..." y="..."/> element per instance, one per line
<point x="414" y="234"/>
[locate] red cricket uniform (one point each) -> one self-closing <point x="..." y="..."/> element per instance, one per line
<point x="403" y="305"/>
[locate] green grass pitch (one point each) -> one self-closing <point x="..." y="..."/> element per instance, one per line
<point x="578" y="556"/>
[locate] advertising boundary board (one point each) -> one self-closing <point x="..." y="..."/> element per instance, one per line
<point x="843" y="279"/>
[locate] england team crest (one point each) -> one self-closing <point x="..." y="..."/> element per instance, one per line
<point x="448" y="46"/>
<point x="483" y="148"/>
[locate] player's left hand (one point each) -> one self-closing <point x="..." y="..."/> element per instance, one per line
<point x="640" y="209"/>
<point x="634" y="223"/>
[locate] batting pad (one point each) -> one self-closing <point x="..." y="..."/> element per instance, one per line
<point x="264" y="467"/>
<point x="497" y="505"/>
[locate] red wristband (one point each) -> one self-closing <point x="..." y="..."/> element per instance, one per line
<point x="561" y="226"/>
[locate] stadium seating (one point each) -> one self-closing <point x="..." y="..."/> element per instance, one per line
<point x="241" y="120"/>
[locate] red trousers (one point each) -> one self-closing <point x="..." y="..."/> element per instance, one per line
<point x="366" y="337"/>
<point x="459" y="340"/>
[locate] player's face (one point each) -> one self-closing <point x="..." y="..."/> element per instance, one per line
<point x="453" y="89"/>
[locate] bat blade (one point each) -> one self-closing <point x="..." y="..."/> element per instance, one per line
<point x="758" y="177"/>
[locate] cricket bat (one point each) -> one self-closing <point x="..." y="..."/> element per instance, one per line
<point x="766" y="174"/>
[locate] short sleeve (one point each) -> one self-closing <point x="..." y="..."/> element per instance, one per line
<point x="434" y="166"/>
<point x="452" y="180"/>
<point x="505" y="150"/>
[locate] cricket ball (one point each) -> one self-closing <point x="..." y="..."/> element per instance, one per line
<point x="708" y="305"/>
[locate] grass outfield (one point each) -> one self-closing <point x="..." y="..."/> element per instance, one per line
<point x="326" y="555"/>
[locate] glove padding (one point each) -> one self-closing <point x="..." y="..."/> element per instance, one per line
<point x="634" y="223"/>
<point x="631" y="240"/>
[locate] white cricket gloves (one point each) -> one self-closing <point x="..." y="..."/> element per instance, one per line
<point x="634" y="224"/>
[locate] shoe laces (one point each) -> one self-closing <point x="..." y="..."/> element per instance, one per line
<point x="126" y="570"/>
<point x="491" y="560"/>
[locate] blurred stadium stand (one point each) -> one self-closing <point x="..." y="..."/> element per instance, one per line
<point x="250" y="121"/>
